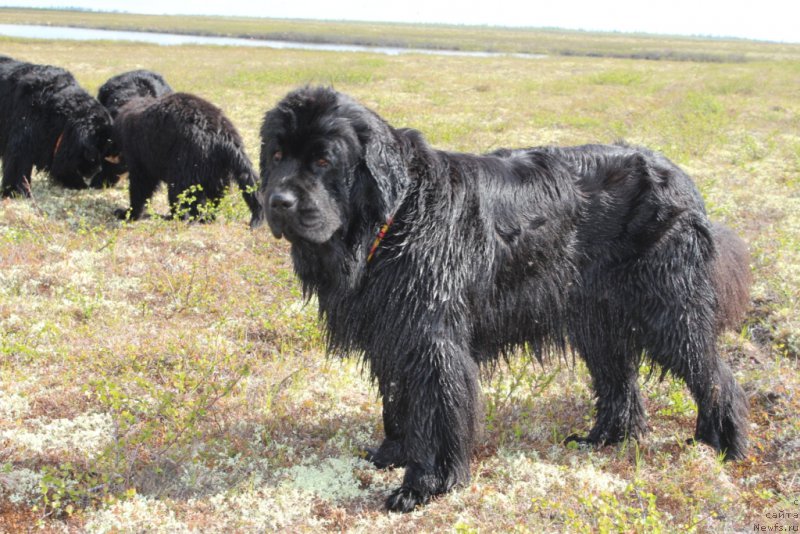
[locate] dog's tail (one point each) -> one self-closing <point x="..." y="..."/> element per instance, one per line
<point x="732" y="278"/>
<point x="247" y="179"/>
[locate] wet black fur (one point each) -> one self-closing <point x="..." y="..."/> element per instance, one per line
<point x="184" y="141"/>
<point x="115" y="93"/>
<point x="606" y="250"/>
<point x="38" y="105"/>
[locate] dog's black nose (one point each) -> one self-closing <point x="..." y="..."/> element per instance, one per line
<point x="283" y="201"/>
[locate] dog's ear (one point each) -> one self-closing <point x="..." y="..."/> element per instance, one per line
<point x="82" y="142"/>
<point x="385" y="160"/>
<point x="67" y="149"/>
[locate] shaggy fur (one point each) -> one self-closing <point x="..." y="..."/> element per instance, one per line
<point x="115" y="93"/>
<point x="49" y="122"/>
<point x="184" y="141"/>
<point x="604" y="249"/>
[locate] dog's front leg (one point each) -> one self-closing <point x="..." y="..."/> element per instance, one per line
<point x="442" y="397"/>
<point x="395" y="412"/>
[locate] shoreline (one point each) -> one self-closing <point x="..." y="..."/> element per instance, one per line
<point x="489" y="40"/>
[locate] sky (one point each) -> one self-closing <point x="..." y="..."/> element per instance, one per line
<point x="770" y="20"/>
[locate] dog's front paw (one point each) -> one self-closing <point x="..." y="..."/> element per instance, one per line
<point x="582" y="442"/>
<point x="405" y="500"/>
<point x="122" y="214"/>
<point x="389" y="455"/>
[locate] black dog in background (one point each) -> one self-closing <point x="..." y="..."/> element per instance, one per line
<point x="188" y="143"/>
<point x="429" y="263"/>
<point x="49" y="122"/>
<point x="115" y="93"/>
<point x="122" y="88"/>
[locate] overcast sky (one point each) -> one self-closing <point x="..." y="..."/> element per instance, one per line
<point x="773" y="20"/>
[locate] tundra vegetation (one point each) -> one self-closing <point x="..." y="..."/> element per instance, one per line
<point x="167" y="376"/>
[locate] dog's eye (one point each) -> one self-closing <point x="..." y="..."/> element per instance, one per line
<point x="277" y="156"/>
<point x="322" y="163"/>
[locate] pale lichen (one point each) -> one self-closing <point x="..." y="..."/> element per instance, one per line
<point x="332" y="479"/>
<point x="20" y="486"/>
<point x="86" y="434"/>
<point x="138" y="514"/>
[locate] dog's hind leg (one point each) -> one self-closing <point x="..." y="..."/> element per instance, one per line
<point x="17" y="170"/>
<point x="722" y="411"/>
<point x="679" y="333"/>
<point x="687" y="350"/>
<point x="246" y="177"/>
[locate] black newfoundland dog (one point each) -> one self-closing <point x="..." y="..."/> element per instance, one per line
<point x="122" y="88"/>
<point x="431" y="263"/>
<point x="188" y="143"/>
<point x="49" y="122"/>
<point x="115" y="93"/>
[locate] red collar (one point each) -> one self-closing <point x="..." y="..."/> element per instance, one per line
<point x="381" y="234"/>
<point x="58" y="144"/>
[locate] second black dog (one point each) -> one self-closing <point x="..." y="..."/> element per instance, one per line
<point x="114" y="94"/>
<point x="189" y="144"/>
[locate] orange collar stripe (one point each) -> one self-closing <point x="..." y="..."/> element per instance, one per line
<point x="58" y="144"/>
<point x="381" y="234"/>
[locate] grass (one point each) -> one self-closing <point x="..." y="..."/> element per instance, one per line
<point x="162" y="376"/>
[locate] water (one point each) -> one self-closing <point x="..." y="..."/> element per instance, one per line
<point x="172" y="39"/>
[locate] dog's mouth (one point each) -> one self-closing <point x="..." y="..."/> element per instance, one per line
<point x="88" y="169"/>
<point x="311" y="227"/>
<point x="276" y="231"/>
<point x="277" y="224"/>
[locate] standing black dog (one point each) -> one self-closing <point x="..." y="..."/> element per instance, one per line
<point x="49" y="122"/>
<point x="115" y="93"/>
<point x="188" y="143"/>
<point x="430" y="263"/>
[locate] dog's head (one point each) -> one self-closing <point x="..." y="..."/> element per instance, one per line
<point x="328" y="164"/>
<point x="84" y="143"/>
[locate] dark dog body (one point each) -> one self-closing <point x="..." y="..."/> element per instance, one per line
<point x="184" y="141"/>
<point x="606" y="249"/>
<point x="49" y="122"/>
<point x="114" y="94"/>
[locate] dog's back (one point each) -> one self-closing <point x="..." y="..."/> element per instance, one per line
<point x="122" y="88"/>
<point x="608" y="167"/>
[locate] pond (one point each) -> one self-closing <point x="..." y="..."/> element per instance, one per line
<point x="172" y="39"/>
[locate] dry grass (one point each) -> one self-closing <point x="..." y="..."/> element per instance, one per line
<point x="165" y="377"/>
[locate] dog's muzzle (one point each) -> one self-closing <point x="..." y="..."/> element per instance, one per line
<point x="283" y="202"/>
<point x="281" y="208"/>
